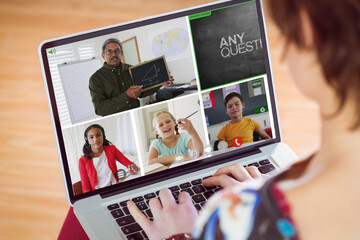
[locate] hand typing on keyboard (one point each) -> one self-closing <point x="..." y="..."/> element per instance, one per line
<point x="169" y="217"/>
<point x="175" y="211"/>
<point x="233" y="174"/>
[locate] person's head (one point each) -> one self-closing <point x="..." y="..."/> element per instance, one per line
<point x="234" y="105"/>
<point x="322" y="49"/>
<point x="165" y="124"/>
<point x="95" y="138"/>
<point x="112" y="52"/>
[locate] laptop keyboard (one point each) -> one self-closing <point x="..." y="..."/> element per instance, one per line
<point x="198" y="192"/>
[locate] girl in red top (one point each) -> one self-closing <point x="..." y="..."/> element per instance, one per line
<point x="98" y="167"/>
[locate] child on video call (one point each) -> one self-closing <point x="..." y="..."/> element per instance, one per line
<point x="98" y="167"/>
<point x="239" y="126"/>
<point x="171" y="143"/>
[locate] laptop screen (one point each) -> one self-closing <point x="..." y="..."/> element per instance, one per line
<point x="139" y="101"/>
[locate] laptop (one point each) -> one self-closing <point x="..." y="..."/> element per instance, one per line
<point x="210" y="51"/>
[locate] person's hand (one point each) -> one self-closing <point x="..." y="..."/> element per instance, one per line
<point x="134" y="91"/>
<point x="169" y="217"/>
<point x="167" y="83"/>
<point x="186" y="124"/>
<point x="133" y="169"/>
<point x="232" y="175"/>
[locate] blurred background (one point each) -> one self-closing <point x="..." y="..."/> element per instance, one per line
<point x="32" y="196"/>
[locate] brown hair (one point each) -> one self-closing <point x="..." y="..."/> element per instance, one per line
<point x="231" y="95"/>
<point x="336" y="32"/>
<point x="87" y="147"/>
<point x="171" y="116"/>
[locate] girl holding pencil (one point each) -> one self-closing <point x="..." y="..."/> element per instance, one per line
<point x="172" y="143"/>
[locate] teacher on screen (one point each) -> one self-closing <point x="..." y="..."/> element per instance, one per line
<point x="111" y="87"/>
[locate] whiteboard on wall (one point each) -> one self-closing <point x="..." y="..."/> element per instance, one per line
<point x="131" y="51"/>
<point x="75" y="82"/>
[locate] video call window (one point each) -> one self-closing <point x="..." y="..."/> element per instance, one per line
<point x="225" y="107"/>
<point x="226" y="52"/>
<point x="207" y="57"/>
<point x="73" y="65"/>
<point x="158" y="123"/>
<point x="118" y="131"/>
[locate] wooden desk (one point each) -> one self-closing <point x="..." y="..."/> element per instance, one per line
<point x="33" y="203"/>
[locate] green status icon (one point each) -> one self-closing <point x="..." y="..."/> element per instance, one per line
<point x="52" y="51"/>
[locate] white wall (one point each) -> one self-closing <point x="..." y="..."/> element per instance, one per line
<point x="183" y="107"/>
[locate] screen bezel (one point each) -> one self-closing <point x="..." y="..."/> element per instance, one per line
<point x="170" y="173"/>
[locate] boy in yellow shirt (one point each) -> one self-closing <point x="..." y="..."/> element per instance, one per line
<point x="240" y="129"/>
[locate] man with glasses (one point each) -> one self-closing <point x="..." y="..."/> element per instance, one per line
<point x="111" y="87"/>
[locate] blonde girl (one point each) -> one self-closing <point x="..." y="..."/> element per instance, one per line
<point x="170" y="142"/>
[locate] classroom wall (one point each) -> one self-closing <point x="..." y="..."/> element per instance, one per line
<point x="176" y="64"/>
<point x="186" y="106"/>
<point x="181" y="65"/>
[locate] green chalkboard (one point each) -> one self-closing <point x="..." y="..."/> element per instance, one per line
<point x="150" y="74"/>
